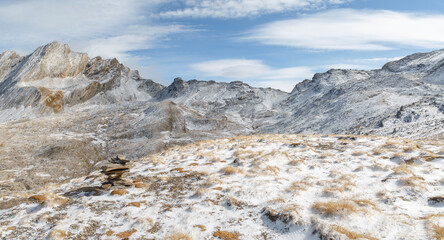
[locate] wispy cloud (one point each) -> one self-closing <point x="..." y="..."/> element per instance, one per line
<point x="253" y="71"/>
<point x="133" y="39"/>
<point x="347" y="29"/>
<point x="109" y="28"/>
<point x="243" y="8"/>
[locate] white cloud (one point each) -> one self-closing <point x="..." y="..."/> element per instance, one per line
<point x="347" y="29"/>
<point x="109" y="28"/>
<point x="253" y="71"/>
<point x="242" y="8"/>
<point x="135" y="38"/>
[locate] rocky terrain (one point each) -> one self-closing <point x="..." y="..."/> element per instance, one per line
<point x="63" y="115"/>
<point x="254" y="187"/>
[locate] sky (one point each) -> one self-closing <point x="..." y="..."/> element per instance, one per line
<point x="265" y="43"/>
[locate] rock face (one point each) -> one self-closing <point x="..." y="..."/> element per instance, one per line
<point x="62" y="113"/>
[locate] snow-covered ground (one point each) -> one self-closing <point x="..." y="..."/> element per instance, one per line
<point x="253" y="187"/>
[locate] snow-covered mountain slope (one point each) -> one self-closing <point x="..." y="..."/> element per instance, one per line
<point x="404" y="98"/>
<point x="254" y="187"/>
<point x="61" y="110"/>
<point x="401" y="99"/>
<point x="53" y="77"/>
<point x="234" y="101"/>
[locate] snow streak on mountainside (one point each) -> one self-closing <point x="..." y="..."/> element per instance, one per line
<point x="254" y="187"/>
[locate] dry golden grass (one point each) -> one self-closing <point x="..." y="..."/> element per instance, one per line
<point x="231" y="201"/>
<point x="403" y="169"/>
<point x="364" y="203"/>
<point x="225" y="235"/>
<point x="156" y="160"/>
<point x="244" y="153"/>
<point x="332" y="190"/>
<point x="134" y="204"/>
<point x="119" y="192"/>
<point x="211" y="181"/>
<point x="39" y="198"/>
<point x="57" y="234"/>
<point x="326" y="155"/>
<point x="410" y="149"/>
<point x="296" y="162"/>
<point x="358" y="153"/>
<point x="275" y="153"/>
<point x="109" y="233"/>
<point x="287" y="213"/>
<point x="299" y="186"/>
<point x="341" y="181"/>
<point x="230" y="170"/>
<point x="201" y="227"/>
<point x="178" y="236"/>
<point x="179" y="169"/>
<point x="378" y="151"/>
<point x="277" y="200"/>
<point x="350" y="234"/>
<point x="438" y="232"/>
<point x="427" y="155"/>
<point x="126" y="234"/>
<point x="201" y="191"/>
<point x="274" y="169"/>
<point x="390" y="144"/>
<point x="140" y="185"/>
<point x="331" y="208"/>
<point x="55" y="200"/>
<point x="413" y="181"/>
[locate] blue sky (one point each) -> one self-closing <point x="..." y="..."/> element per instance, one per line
<point x="266" y="43"/>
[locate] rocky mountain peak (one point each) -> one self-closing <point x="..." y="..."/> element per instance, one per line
<point x="173" y="90"/>
<point x="54" y="72"/>
<point x="53" y="60"/>
<point x="179" y="84"/>
<point x="418" y="62"/>
<point x="8" y="60"/>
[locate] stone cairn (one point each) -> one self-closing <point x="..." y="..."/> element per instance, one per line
<point x="115" y="172"/>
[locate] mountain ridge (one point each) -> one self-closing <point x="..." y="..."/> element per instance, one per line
<point x="83" y="111"/>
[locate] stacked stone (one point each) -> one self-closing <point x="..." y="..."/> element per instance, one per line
<point x="115" y="172"/>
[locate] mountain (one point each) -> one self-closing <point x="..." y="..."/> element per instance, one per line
<point x="253" y="187"/>
<point x="401" y="99"/>
<point x="62" y="113"/>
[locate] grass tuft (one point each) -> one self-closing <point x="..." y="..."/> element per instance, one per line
<point x="225" y="235"/>
<point x="331" y="208"/>
<point x="119" y="192"/>
<point x="350" y="234"/>
<point x="178" y="236"/>
<point x="438" y="232"/>
<point x="230" y="170"/>
<point x="126" y="234"/>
